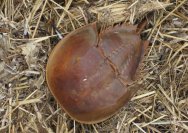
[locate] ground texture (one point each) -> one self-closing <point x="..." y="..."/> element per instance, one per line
<point x="29" y="29"/>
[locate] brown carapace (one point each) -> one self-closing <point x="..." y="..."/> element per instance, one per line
<point x="89" y="72"/>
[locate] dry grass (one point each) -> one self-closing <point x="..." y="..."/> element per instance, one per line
<point x="27" y="37"/>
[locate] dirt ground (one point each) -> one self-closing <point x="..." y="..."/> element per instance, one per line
<point x="29" y="30"/>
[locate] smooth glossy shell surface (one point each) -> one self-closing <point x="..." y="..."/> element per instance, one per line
<point x="88" y="72"/>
